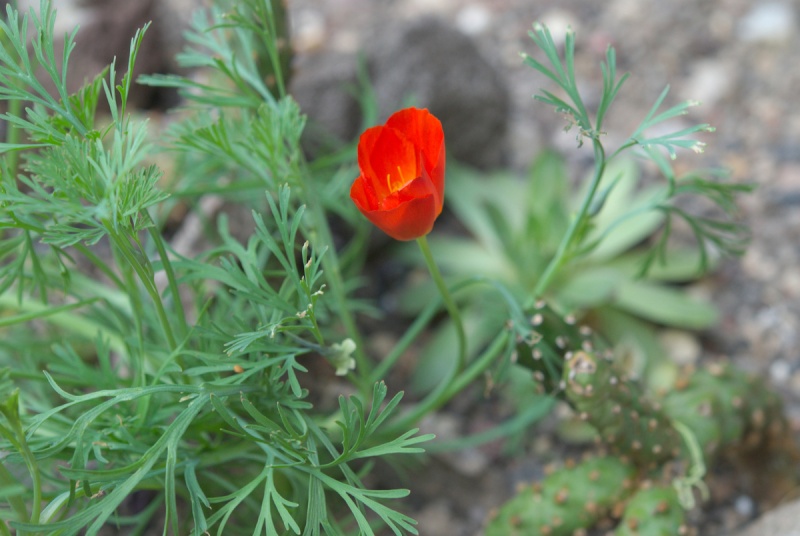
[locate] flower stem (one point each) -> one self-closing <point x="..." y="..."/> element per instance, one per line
<point x="566" y="243"/>
<point x="450" y="386"/>
<point x="451" y="306"/>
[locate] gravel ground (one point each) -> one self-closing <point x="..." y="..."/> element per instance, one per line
<point x="735" y="56"/>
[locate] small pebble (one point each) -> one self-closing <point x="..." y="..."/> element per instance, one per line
<point x="308" y="30"/>
<point x="767" y="22"/>
<point x="780" y="371"/>
<point x="744" y="506"/>
<point x="473" y="19"/>
<point x="681" y="347"/>
<point x="559" y="22"/>
<point x="709" y="82"/>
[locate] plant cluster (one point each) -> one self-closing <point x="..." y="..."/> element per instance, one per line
<point x="654" y="446"/>
<point x="132" y="373"/>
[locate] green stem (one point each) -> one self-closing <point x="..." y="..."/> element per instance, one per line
<point x="566" y="243"/>
<point x="170" y="273"/>
<point x="12" y="137"/>
<point x="14" y="110"/>
<point x="451" y="306"/>
<point x="99" y="264"/>
<point x="449" y="387"/>
<point x="382" y="370"/>
<point x="33" y="468"/>
<point x="149" y="285"/>
<point x="75" y="323"/>
<point x="17" y="503"/>
<point x="332" y="268"/>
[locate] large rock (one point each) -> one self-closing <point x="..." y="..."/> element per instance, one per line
<point x="426" y="62"/>
<point x="782" y="521"/>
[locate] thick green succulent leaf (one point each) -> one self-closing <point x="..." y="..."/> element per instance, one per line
<point x="665" y="305"/>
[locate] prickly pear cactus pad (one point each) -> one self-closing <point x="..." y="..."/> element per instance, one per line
<point x="553" y="336"/>
<point x="628" y="423"/>
<point x="568" y="500"/>
<point x="653" y="511"/>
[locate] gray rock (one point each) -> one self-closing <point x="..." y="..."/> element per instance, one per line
<point x="425" y="63"/>
<point x="435" y="66"/>
<point x="323" y="85"/>
<point x="783" y="521"/>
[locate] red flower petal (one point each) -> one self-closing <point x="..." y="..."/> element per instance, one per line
<point x="406" y="214"/>
<point x="402" y="163"/>
<point x="387" y="158"/>
<point x="423" y="129"/>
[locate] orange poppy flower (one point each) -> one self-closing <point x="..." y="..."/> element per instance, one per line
<point x="401" y="187"/>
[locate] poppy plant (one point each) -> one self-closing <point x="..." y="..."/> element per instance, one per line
<point x="401" y="186"/>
